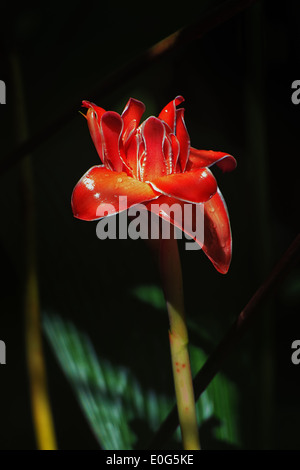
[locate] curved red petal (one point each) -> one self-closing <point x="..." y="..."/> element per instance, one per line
<point x="175" y="151"/>
<point x="102" y="192"/>
<point x="182" y="215"/>
<point x="132" y="154"/>
<point x="183" y="139"/>
<point x="168" y="153"/>
<point x="99" y="111"/>
<point x="168" y="113"/>
<point x="206" y="158"/>
<point x="111" y="127"/>
<point x="217" y="233"/>
<point x="217" y="243"/>
<point x="152" y="164"/>
<point x="94" y="129"/>
<point x="131" y="116"/>
<point x="192" y="186"/>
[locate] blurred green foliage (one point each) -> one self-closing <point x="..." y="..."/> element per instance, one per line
<point x="121" y="413"/>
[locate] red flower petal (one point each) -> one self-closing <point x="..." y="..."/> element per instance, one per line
<point x="217" y="233"/>
<point x="94" y="129"/>
<point x="97" y="193"/>
<point x="99" y="111"/>
<point x="131" y="116"/>
<point x="152" y="164"/>
<point x="195" y="186"/>
<point x="168" y="153"/>
<point x="183" y="138"/>
<point x="171" y="152"/>
<point x="168" y="114"/>
<point x="175" y="151"/>
<point x="206" y="158"/>
<point x="111" y="126"/>
<point x="175" y="211"/>
<point x="132" y="154"/>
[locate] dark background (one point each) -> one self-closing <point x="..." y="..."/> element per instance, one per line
<point x="236" y="81"/>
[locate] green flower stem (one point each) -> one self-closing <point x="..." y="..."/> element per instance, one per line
<point x="170" y="268"/>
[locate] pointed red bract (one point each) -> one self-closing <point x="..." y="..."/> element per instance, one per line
<point x="132" y="153"/>
<point x="131" y="116"/>
<point x="216" y="242"/>
<point x="111" y="126"/>
<point x="99" y="111"/>
<point x="153" y="162"/>
<point x="174" y="211"/>
<point x="99" y="191"/>
<point x="175" y="151"/>
<point x="194" y="186"/>
<point x="94" y="129"/>
<point x="183" y="139"/>
<point x="168" y="113"/>
<point x="217" y="233"/>
<point x="207" y="158"/>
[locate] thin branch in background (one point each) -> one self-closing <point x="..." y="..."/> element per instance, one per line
<point x="184" y="36"/>
<point x="234" y="335"/>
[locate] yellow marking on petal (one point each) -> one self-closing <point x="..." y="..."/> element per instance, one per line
<point x="82" y="114"/>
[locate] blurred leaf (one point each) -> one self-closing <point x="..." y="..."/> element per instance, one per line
<point x="150" y="294"/>
<point x="218" y="405"/>
<point x="120" y="412"/>
<point x="110" y="396"/>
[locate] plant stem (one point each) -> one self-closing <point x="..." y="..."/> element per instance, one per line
<point x="170" y="269"/>
<point x="40" y="403"/>
<point x="41" y="410"/>
<point x="245" y="319"/>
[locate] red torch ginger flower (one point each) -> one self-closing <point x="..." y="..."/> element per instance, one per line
<point x="154" y="161"/>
